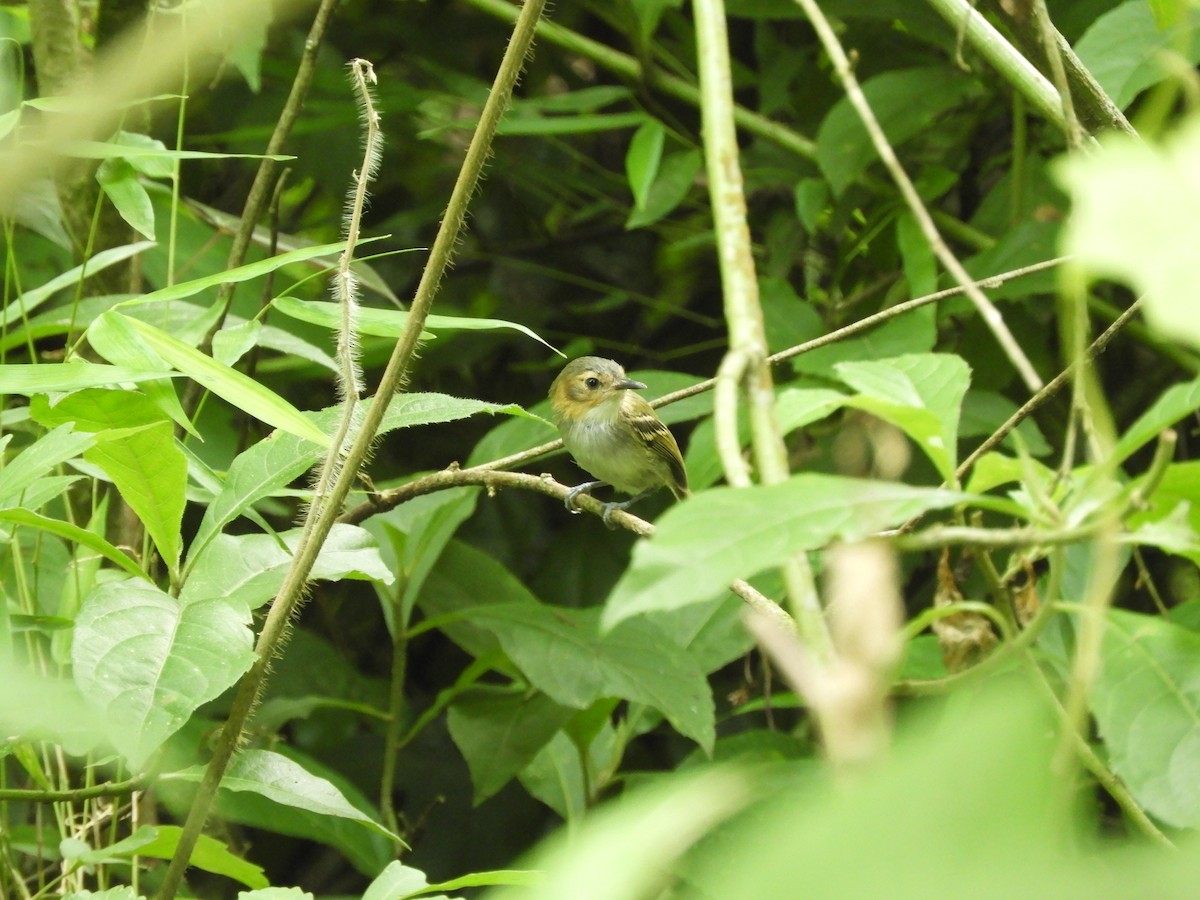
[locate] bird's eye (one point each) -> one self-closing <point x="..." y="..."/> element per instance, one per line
<point x="593" y="382"/>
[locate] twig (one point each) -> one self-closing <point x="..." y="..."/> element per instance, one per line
<point x="290" y="594"/>
<point x="854" y="94"/>
<point x="391" y="498"/>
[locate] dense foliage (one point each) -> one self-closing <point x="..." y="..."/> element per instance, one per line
<point x="478" y="692"/>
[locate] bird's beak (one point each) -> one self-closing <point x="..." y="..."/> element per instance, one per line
<point x="628" y="384"/>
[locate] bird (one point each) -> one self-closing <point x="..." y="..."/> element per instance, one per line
<point x="614" y="434"/>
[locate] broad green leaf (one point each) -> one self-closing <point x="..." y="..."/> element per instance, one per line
<point x="396" y="882"/>
<point x="288" y="783"/>
<point x="921" y="394"/>
<point x="230" y="385"/>
<point x="1171" y="517"/>
<point x="73" y="534"/>
<point x="250" y="568"/>
<point x="905" y="101"/>
<point x="390" y="322"/>
<point x="675" y="178"/>
<point x="121" y="185"/>
<point x="407" y="410"/>
<point x="556" y="778"/>
<point x="643" y="157"/>
<point x="338" y="818"/>
<point x="798" y="407"/>
<point x="500" y="733"/>
<point x="232" y="343"/>
<point x="983" y="761"/>
<point x="1172" y="405"/>
<point x="413" y="536"/>
<point x="145" y="661"/>
<point x="562" y="652"/>
<point x="1133" y="219"/>
<point x="160" y="842"/>
<point x="920" y="265"/>
<point x="628" y="849"/>
<point x="44" y="378"/>
<point x="1126" y="50"/>
<point x="275" y="461"/>
<point x="97" y="410"/>
<point x="35" y="297"/>
<point x="462" y="578"/>
<point x="149" y="470"/>
<point x="704" y="543"/>
<point x="1146" y="704"/>
<point x="42" y="456"/>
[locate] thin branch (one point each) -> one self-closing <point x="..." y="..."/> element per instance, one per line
<point x="72" y="795"/>
<point x="1097" y="347"/>
<point x="854" y="94"/>
<point x="391" y="498"/>
<point x="319" y="522"/>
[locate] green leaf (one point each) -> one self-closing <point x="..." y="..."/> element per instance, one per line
<point x="243" y="273"/>
<point x="1145" y="703"/>
<point x="674" y="180"/>
<point x="1126" y="50"/>
<point x="74" y="534"/>
<point x="46" y="378"/>
<point x="921" y="394"/>
<point x="113" y="338"/>
<point x="240" y="391"/>
<point x="120" y="184"/>
<point x="35" y="297"/>
<point x="118" y="150"/>
<point x="147" y="661"/>
<point x="920" y="265"/>
<point x="42" y="456"/>
<point x="562" y="652"/>
<point x="390" y="322"/>
<point x="704" y="543"/>
<point x="413" y="536"/>
<point x="149" y="470"/>
<point x="407" y="410"/>
<point x="628" y="849"/>
<point x="161" y="842"/>
<point x="250" y="568"/>
<point x="1172" y="405"/>
<point x="1133" y="219"/>
<point x="500" y="733"/>
<point x="288" y="783"/>
<point x="643" y="157"/>
<point x="275" y="461"/>
<point x="905" y="101"/>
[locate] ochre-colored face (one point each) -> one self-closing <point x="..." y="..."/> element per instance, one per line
<point x="591" y="380"/>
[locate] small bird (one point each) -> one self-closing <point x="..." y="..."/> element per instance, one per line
<point x="613" y="433"/>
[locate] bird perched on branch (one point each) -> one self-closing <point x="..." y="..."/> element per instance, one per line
<point x="613" y="433"/>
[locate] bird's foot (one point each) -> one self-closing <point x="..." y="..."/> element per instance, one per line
<point x="586" y="488"/>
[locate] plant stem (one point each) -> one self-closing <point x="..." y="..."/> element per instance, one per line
<point x="319" y="523"/>
<point x="746" y="365"/>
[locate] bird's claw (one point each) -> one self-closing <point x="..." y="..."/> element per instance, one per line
<point x="569" y="500"/>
